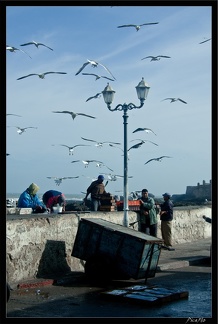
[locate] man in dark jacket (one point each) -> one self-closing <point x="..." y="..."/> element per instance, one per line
<point x="166" y="217"/>
<point x="96" y="189"/>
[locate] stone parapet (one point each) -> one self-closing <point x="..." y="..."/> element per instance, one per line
<point x="40" y="245"/>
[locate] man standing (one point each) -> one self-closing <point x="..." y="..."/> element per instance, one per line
<point x="166" y="217"/>
<point x="148" y="215"/>
<point x="96" y="189"/>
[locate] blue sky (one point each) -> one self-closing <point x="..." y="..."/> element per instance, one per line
<point x="77" y="33"/>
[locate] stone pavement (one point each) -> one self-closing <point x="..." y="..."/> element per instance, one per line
<point x="185" y="254"/>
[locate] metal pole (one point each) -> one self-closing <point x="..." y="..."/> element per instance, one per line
<point x="125" y="187"/>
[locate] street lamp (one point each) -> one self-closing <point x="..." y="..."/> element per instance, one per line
<point x="108" y="93"/>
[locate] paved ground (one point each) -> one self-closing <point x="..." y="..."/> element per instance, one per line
<point x="185" y="269"/>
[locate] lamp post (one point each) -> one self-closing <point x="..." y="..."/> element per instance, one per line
<point x="108" y="93"/>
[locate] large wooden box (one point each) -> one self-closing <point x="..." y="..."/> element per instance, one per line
<point x="134" y="254"/>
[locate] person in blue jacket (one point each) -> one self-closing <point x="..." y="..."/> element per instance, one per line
<point x="29" y="199"/>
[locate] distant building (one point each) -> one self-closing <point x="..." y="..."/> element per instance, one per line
<point x="200" y="192"/>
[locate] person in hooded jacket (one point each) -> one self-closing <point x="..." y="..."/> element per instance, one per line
<point x="30" y="199"/>
<point x="96" y="189"/>
<point x="53" y="197"/>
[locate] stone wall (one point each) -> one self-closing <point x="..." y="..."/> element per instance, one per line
<point x="41" y="245"/>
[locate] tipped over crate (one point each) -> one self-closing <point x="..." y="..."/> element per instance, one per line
<point x="113" y="251"/>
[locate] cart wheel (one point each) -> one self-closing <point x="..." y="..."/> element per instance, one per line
<point x="8" y="291"/>
<point x="99" y="269"/>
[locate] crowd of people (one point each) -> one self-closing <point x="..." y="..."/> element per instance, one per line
<point x="148" y="213"/>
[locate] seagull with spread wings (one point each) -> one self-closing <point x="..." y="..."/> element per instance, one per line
<point x="13" y="115"/>
<point x="41" y="75"/>
<point x="36" y="44"/>
<point x="14" y="49"/>
<point x="155" y="58"/>
<point x="71" y="148"/>
<point x="99" y="144"/>
<point x="73" y="114"/>
<point x="87" y="162"/>
<point x="111" y="145"/>
<point x="137" y="27"/>
<point x="174" y="100"/>
<point x="114" y="177"/>
<point x="140" y="143"/>
<point x="22" y="130"/>
<point x="94" y="64"/>
<point x="147" y="130"/>
<point x="98" y="95"/>
<point x="58" y="180"/>
<point x="159" y="159"/>
<point x="206" y="40"/>
<point x="97" y="77"/>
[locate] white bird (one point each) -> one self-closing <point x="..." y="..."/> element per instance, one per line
<point x="22" y="130"/>
<point x="114" y="177"/>
<point x="99" y="144"/>
<point x="14" y="49"/>
<point x="71" y="148"/>
<point x="147" y="130"/>
<point x="58" y="181"/>
<point x="94" y="64"/>
<point x="205" y="41"/>
<point x="41" y="75"/>
<point x="97" y="77"/>
<point x="155" y="58"/>
<point x="159" y="159"/>
<point x="98" y="95"/>
<point x="73" y="114"/>
<point x="87" y="162"/>
<point x="111" y="145"/>
<point x="13" y="115"/>
<point x="36" y="44"/>
<point x="137" y="27"/>
<point x="139" y="145"/>
<point x="174" y="99"/>
<point x="143" y="141"/>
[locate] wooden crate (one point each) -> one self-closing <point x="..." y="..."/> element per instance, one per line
<point x="134" y="254"/>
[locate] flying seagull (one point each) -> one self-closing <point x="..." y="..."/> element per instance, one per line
<point x="205" y="41"/>
<point x="136" y="145"/>
<point x="142" y="142"/>
<point x="36" y="44"/>
<point x="98" y="76"/>
<point x="14" y="49"/>
<point x="155" y="58"/>
<point x="13" y="115"/>
<point x="22" y="130"/>
<point x="41" y="76"/>
<point x="147" y="130"/>
<point x="111" y="145"/>
<point x="114" y="177"/>
<point x="174" y="99"/>
<point x="71" y="148"/>
<point x="58" y="181"/>
<point x="99" y="143"/>
<point x="137" y="27"/>
<point x="94" y="64"/>
<point x="159" y="159"/>
<point x="73" y="114"/>
<point x="98" y="95"/>
<point x="98" y="163"/>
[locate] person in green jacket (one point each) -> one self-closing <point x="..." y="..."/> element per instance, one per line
<point x="148" y="214"/>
